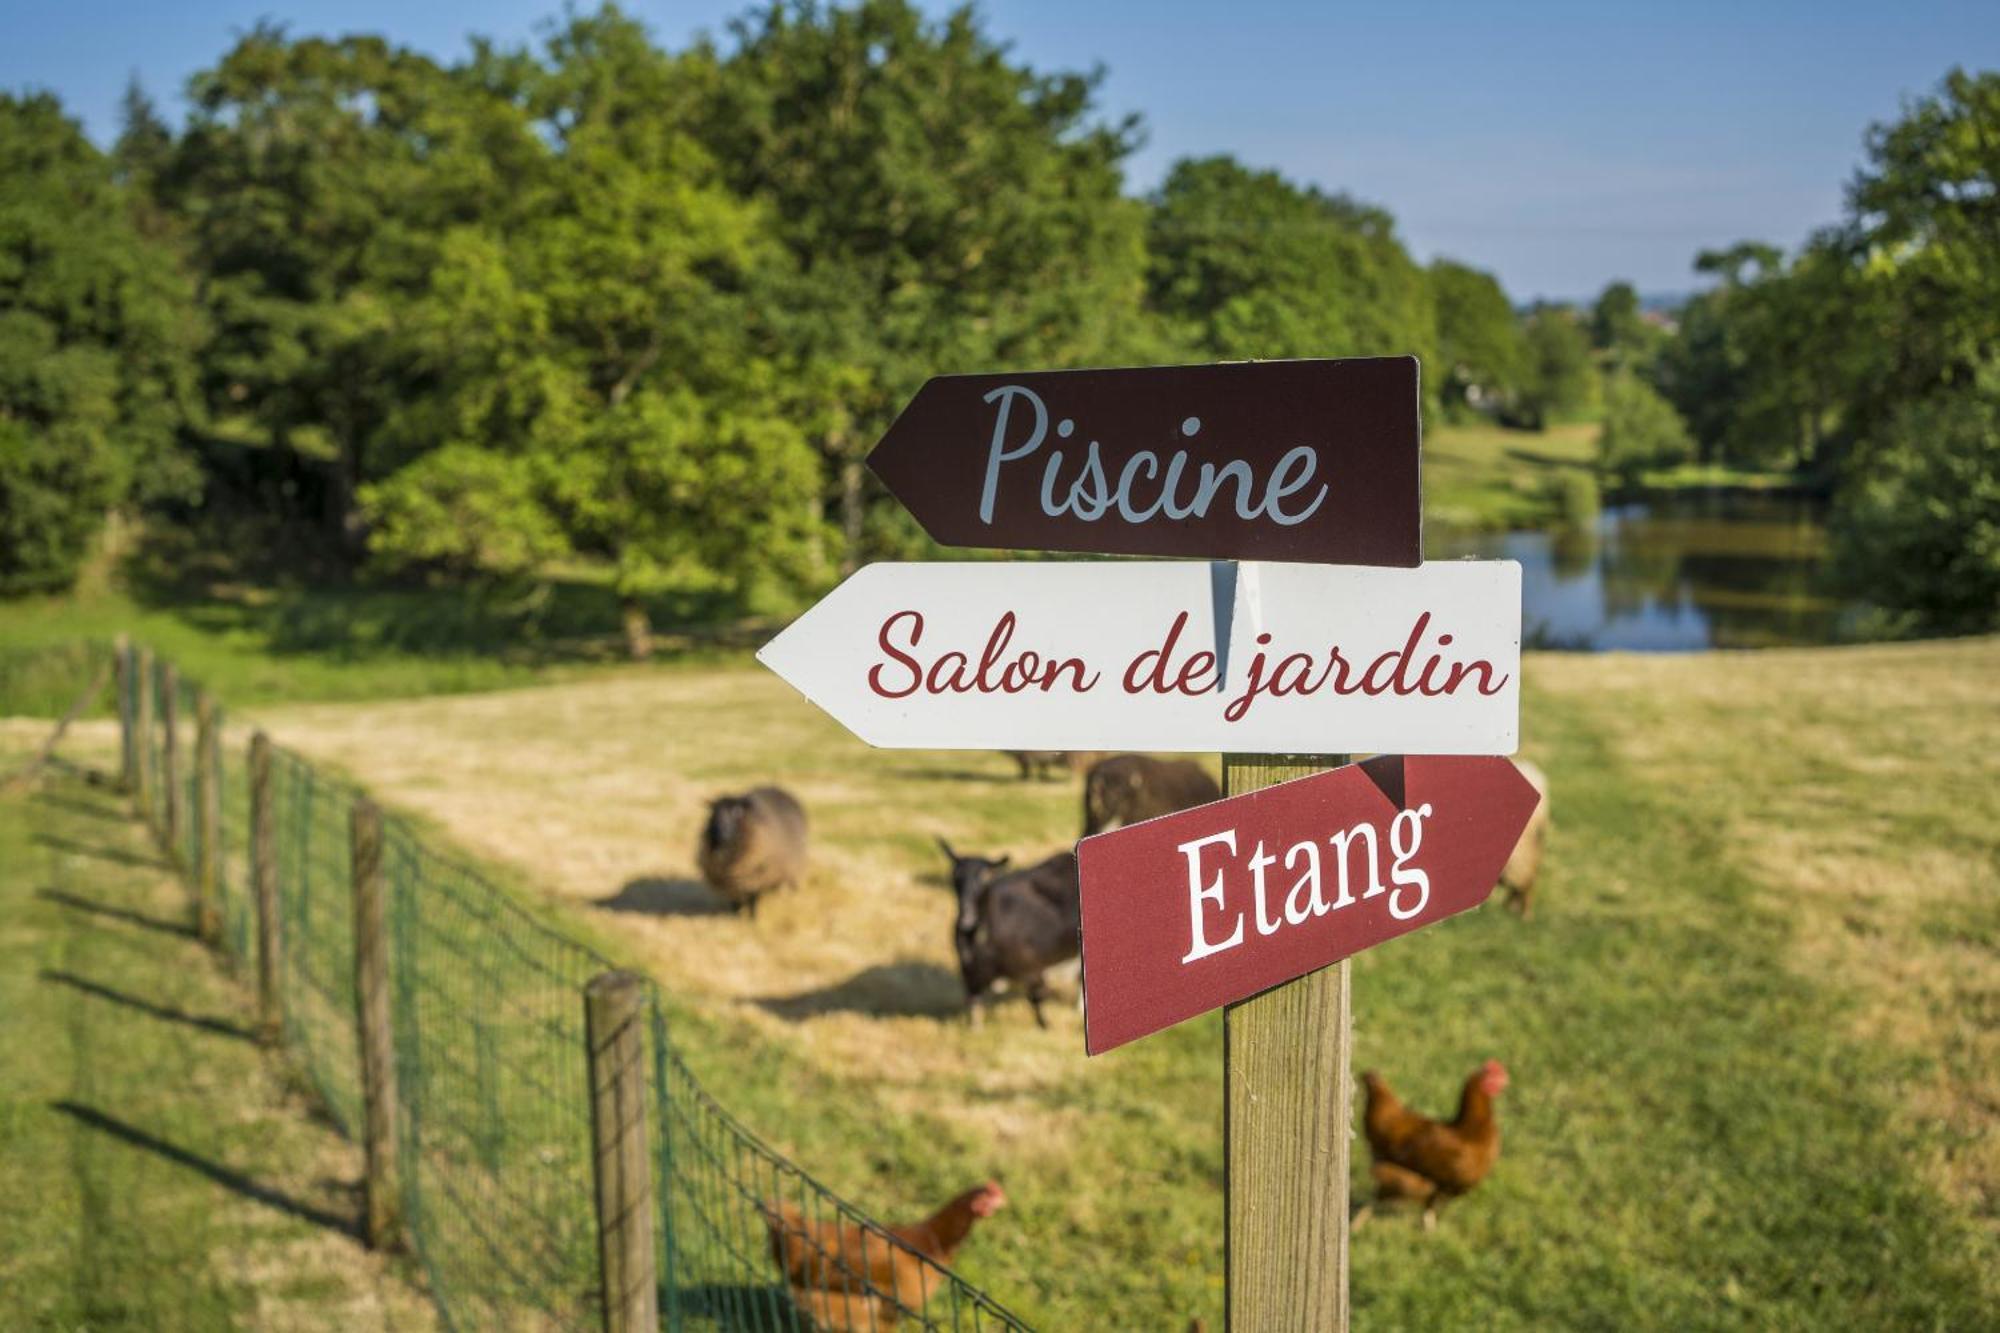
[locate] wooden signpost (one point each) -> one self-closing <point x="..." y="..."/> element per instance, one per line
<point x="1344" y="641"/>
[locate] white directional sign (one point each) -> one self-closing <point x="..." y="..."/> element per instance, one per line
<point x="1180" y="655"/>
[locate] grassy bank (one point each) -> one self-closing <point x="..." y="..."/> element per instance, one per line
<point x="1750" y="1026"/>
<point x="157" y="1171"/>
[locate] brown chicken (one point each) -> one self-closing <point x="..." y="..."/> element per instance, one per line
<point x="1430" y="1161"/>
<point x="846" y="1277"/>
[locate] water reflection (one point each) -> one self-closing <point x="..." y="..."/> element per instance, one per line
<point x="1671" y="573"/>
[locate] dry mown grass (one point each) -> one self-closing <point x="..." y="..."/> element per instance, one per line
<point x="597" y="790"/>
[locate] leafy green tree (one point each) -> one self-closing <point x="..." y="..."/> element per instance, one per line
<point x="318" y="180"/>
<point x="1480" y="354"/>
<point x="1251" y="265"/>
<point x="1559" y="379"/>
<point x="583" y="371"/>
<point x="1642" y="432"/>
<point x="1925" y="217"/>
<point x="97" y="335"/>
<point x="1917" y="530"/>
<point x="945" y="208"/>
<point x="1618" y="328"/>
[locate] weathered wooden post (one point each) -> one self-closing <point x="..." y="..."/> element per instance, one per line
<point x="143" y="682"/>
<point x="1287" y="1088"/>
<point x="613" y="1011"/>
<point x="264" y="890"/>
<point x="128" y="749"/>
<point x="374" y="1030"/>
<point x="207" y="821"/>
<point x="170" y="764"/>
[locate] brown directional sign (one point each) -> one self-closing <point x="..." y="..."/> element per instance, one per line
<point x="1258" y="460"/>
<point x="1188" y="912"/>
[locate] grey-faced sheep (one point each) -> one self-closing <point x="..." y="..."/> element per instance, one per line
<point x="1127" y="788"/>
<point x="1013" y="925"/>
<point x="1524" y="863"/>
<point x="752" y="844"/>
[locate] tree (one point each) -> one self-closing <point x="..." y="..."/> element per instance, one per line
<point x="1642" y="432"/>
<point x="318" y="180"/>
<point x="1917" y="530"/>
<point x="97" y="333"/>
<point x="1250" y="265"/>
<point x="1618" y="328"/>
<point x="1925" y="213"/>
<point x="1559" y="379"/>
<point x="946" y="208"/>
<point x="582" y="370"/>
<point x="1480" y="356"/>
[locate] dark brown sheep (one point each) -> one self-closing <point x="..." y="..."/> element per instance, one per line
<point x="752" y="844"/>
<point x="1127" y="788"/>
<point x="1013" y="926"/>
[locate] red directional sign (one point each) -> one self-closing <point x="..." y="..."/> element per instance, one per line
<point x="1196" y="910"/>
<point x="1258" y="460"/>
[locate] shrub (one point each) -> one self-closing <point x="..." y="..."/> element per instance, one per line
<point x="1642" y="432"/>
<point x="1916" y="529"/>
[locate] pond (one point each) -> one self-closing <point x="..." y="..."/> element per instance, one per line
<point x="1674" y="572"/>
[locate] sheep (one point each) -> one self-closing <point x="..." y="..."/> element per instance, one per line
<point x="1524" y="863"/>
<point x="1127" y="788"/>
<point x="1013" y="926"/>
<point x="752" y="844"/>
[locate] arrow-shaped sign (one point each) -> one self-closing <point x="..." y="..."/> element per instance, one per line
<point x="1196" y="910"/>
<point x="1254" y="460"/>
<point x="1136" y="655"/>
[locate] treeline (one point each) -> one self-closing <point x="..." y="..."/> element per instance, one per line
<point x="602" y="303"/>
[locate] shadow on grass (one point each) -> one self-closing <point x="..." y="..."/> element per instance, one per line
<point x="906" y="989"/>
<point x="168" y="1013"/>
<point x="229" y="1179"/>
<point x="651" y="896"/>
<point x="962" y="775"/>
<point x="92" y="809"/>
<point x="115" y="855"/>
<point x="77" y="903"/>
<point x="310" y="604"/>
<point x="1540" y="459"/>
<point x="728" y="1303"/>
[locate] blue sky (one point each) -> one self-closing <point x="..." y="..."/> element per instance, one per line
<point x="1560" y="145"/>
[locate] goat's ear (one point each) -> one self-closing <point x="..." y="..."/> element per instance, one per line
<point x="945" y="847"/>
<point x="1003" y="863"/>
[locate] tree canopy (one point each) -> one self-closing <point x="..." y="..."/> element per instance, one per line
<point x="98" y="336"/>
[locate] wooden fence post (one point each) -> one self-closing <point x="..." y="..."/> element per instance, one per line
<point x="128" y="749"/>
<point x="1287" y="1091"/>
<point x="374" y="1030"/>
<point x="264" y="889"/>
<point x="170" y="762"/>
<point x="142" y="727"/>
<point x="613" y="1011"/>
<point x="208" y="822"/>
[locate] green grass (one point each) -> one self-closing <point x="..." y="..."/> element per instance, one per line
<point x="1484" y="477"/>
<point x="1750" y="1024"/>
<point x="155" y="1173"/>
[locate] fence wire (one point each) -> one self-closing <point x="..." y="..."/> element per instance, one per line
<point x="493" y="1117"/>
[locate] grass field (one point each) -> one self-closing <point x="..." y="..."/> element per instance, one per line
<point x="157" y="1169"/>
<point x="1752" y="1025"/>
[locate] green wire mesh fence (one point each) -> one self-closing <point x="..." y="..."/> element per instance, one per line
<point x="493" y="1120"/>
